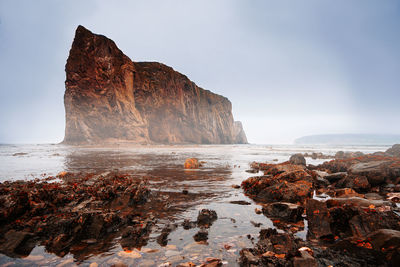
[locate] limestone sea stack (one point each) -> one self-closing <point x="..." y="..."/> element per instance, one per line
<point x="109" y="98"/>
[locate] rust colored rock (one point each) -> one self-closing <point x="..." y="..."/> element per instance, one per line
<point x="282" y="182"/>
<point x="358" y="217"/>
<point x="192" y="163"/>
<point x="357" y="182"/>
<point x="346" y="192"/>
<point x="109" y="98"/>
<point x="318" y="219"/>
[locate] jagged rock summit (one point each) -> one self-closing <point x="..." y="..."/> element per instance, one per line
<point x="109" y="98"/>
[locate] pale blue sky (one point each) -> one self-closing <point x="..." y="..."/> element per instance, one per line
<point x="290" y="68"/>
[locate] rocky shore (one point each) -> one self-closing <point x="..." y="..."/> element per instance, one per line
<point x="349" y="205"/>
<point x="77" y="211"/>
<point x="343" y="212"/>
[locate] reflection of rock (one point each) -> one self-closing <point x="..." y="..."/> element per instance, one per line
<point x="162" y="239"/>
<point x="201" y="235"/>
<point x="109" y="98"/>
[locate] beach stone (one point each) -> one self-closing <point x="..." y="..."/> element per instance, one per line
<point x="192" y="163"/>
<point x="298" y="159"/>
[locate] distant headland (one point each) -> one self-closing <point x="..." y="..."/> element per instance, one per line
<point x="349" y="139"/>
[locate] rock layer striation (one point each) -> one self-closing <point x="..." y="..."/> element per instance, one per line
<point x="110" y="98"/>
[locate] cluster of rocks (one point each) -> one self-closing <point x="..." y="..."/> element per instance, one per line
<point x="338" y="155"/>
<point x="80" y="210"/>
<point x="349" y="204"/>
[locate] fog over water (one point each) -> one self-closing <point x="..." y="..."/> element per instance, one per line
<point x="290" y="68"/>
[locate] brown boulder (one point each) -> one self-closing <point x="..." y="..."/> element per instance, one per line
<point x="357" y="182"/>
<point x="191" y="163"/>
<point x="298" y="159"/>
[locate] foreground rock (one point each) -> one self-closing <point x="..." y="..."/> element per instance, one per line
<point x="83" y="209"/>
<point x="109" y="98"/>
<point x="281" y="182"/>
<point x="352" y="217"/>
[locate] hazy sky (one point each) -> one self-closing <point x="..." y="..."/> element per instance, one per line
<point x="290" y="68"/>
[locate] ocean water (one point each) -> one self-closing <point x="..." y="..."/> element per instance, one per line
<point x="210" y="186"/>
<point x="34" y="161"/>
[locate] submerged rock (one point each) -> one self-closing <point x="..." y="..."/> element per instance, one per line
<point x="206" y="218"/>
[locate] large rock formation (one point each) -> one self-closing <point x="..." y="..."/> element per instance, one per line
<point x="109" y="98"/>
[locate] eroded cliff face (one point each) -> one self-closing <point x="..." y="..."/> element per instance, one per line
<point x="109" y="98"/>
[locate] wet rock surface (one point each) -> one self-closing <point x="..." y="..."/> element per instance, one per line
<point x="80" y="210"/>
<point x="352" y="216"/>
<point x="281" y="182"/>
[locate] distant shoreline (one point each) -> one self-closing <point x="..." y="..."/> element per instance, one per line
<point x="348" y="139"/>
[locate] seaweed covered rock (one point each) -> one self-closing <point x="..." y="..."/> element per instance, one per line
<point x="59" y="215"/>
<point x="281" y="182"/>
